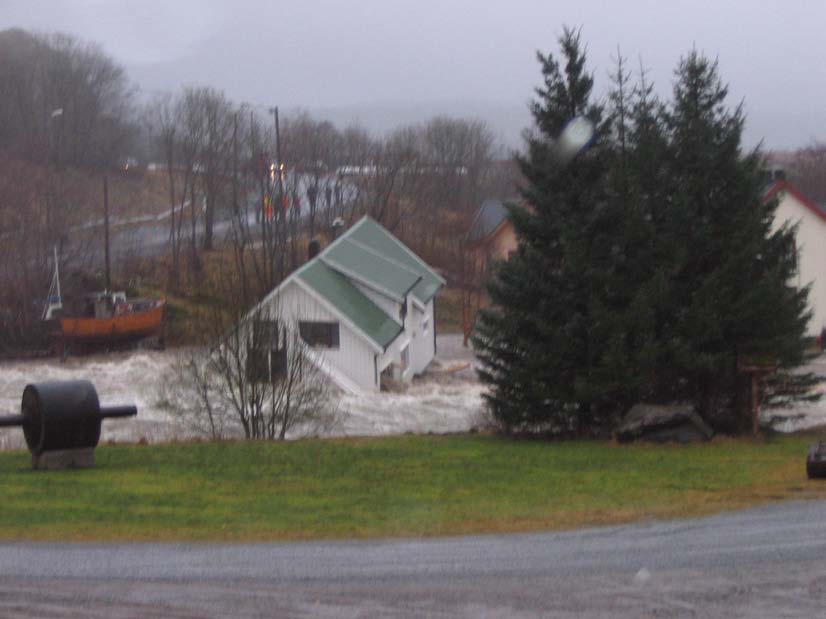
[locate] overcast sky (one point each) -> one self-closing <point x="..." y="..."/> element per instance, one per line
<point x="383" y="61"/>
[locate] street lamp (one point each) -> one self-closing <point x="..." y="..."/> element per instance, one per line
<point x="54" y="146"/>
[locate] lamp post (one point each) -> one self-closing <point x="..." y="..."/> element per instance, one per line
<point x="54" y="146"/>
<point x="53" y="160"/>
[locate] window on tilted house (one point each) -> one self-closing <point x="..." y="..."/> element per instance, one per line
<point x="323" y="334"/>
<point x="267" y="353"/>
<point x="265" y="335"/>
<point x="405" y="357"/>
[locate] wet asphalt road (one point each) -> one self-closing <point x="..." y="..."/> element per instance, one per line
<point x="767" y="562"/>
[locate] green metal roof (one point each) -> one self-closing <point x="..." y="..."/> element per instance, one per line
<point x="351" y="302"/>
<point x="370" y="234"/>
<point x="370" y="268"/>
<point x="369" y="254"/>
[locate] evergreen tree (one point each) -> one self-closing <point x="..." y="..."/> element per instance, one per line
<point x="730" y="276"/>
<point x="647" y="267"/>
<point x="638" y="289"/>
<point x="541" y="341"/>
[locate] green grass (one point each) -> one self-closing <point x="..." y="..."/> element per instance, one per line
<point x="408" y="485"/>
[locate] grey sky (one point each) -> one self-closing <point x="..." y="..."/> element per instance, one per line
<point x="385" y="61"/>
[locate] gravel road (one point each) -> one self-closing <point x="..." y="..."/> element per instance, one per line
<point x="767" y="562"/>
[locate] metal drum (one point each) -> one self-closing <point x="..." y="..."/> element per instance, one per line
<point x="62" y="417"/>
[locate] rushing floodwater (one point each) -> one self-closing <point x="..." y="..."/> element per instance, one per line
<point x="441" y="402"/>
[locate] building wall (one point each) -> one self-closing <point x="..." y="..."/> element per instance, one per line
<point x="494" y="248"/>
<point x="503" y="241"/>
<point x="811" y="254"/>
<point x="393" y="354"/>
<point x="422" y="344"/>
<point x="354" y="358"/>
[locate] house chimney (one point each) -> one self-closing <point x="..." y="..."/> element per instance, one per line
<point x="313" y="248"/>
<point x="337" y="227"/>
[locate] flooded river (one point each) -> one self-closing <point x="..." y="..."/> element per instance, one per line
<point x="439" y="402"/>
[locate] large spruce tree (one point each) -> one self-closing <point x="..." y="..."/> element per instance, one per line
<point x="730" y="280"/>
<point x="541" y="341"/>
<point x="647" y="266"/>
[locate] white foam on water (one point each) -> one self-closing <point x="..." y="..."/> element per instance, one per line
<point x="120" y="378"/>
<point x="438" y="403"/>
<point x="427" y="406"/>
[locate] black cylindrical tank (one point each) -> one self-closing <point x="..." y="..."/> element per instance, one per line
<point x="61" y="415"/>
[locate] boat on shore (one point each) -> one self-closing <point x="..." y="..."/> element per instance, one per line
<point x="111" y="318"/>
<point x="99" y="320"/>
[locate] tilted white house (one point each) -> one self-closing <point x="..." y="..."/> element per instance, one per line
<point x="364" y="305"/>
<point x="810" y="245"/>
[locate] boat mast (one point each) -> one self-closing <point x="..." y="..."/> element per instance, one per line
<point x="54" y="301"/>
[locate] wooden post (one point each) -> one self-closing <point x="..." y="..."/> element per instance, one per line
<point x="756" y="369"/>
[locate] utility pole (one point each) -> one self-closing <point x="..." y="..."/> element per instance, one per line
<point x="106" y="229"/>
<point x="274" y="112"/>
<point x="278" y="172"/>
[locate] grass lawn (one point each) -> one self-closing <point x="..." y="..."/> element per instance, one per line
<point x="396" y="486"/>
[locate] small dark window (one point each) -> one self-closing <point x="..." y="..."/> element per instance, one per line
<point x="266" y="366"/>
<point x="267" y="354"/>
<point x="265" y="335"/>
<point x="278" y="364"/>
<point x="403" y="311"/>
<point x="319" y="333"/>
<point x="258" y="370"/>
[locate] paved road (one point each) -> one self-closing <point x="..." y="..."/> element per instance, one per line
<point x="768" y="562"/>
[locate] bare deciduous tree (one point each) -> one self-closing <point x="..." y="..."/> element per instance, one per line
<point x="810" y="170"/>
<point x="250" y="385"/>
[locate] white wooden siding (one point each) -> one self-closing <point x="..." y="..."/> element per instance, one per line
<point x="811" y="254"/>
<point x="422" y="348"/>
<point x="354" y="357"/>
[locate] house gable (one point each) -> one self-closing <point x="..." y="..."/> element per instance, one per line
<point x="346" y="299"/>
<point x="350" y="363"/>
<point x="780" y="186"/>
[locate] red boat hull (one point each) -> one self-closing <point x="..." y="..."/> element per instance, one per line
<point x="132" y="326"/>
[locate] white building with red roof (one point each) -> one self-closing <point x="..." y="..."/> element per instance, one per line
<point x="810" y="247"/>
